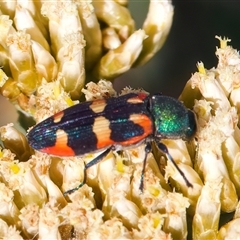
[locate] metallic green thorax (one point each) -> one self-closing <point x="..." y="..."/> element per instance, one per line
<point x="171" y="118"/>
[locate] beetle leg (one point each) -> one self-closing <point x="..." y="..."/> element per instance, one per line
<point x="88" y="165"/>
<point x="164" y="149"/>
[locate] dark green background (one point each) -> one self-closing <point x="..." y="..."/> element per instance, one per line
<point x="192" y="39"/>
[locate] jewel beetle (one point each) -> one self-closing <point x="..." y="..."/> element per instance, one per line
<point x="115" y="123"/>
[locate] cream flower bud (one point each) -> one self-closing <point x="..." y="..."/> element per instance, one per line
<point x="229" y="230"/>
<point x="209" y="87"/>
<point x="189" y="99"/>
<point x="71" y="66"/>
<point x="99" y="90"/>
<point x="40" y="164"/>
<point x="20" y="177"/>
<point x="56" y="171"/>
<point x="214" y="167"/>
<point x="81" y="215"/>
<point x="10" y="90"/>
<point x="63" y="21"/>
<point x="24" y="21"/>
<point x="45" y="64"/>
<point x="235" y="98"/>
<point x="30" y="219"/>
<point x="51" y="98"/>
<point x="21" y="62"/>
<point x="110" y="39"/>
<point x="178" y="151"/>
<point x="4" y="228"/>
<point x="77" y="217"/>
<point x="192" y="193"/>
<point x="150" y="226"/>
<point x="7" y="156"/>
<point x="10" y="232"/>
<point x="51" y="10"/>
<point x="157" y="26"/>
<point x="228" y="66"/>
<point x="34" y="8"/>
<point x="16" y="142"/>
<point x="9" y="7"/>
<point x="6" y="28"/>
<point x="119" y="60"/>
<point x="206" y="218"/>
<point x="203" y="110"/>
<point x="8" y="210"/>
<point x="237" y="211"/>
<point x="105" y="173"/>
<point x="114" y="15"/>
<point x="3" y="78"/>
<point x="155" y="164"/>
<point x="84" y="198"/>
<point x="210" y="163"/>
<point x="70" y="52"/>
<point x="110" y="229"/>
<point x="73" y="173"/>
<point x="49" y="222"/>
<point x="231" y="155"/>
<point x="153" y="197"/>
<point x="123" y="209"/>
<point x="92" y="33"/>
<point x="136" y="156"/>
<point x="176" y="220"/>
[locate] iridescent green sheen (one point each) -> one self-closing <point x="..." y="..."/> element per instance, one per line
<point x="172" y="119"/>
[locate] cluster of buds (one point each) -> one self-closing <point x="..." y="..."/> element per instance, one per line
<point x="214" y="96"/>
<point x="110" y="205"/>
<point x="72" y="41"/>
<point x="43" y="79"/>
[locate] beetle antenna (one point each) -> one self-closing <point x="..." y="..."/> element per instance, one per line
<point x="164" y="149"/>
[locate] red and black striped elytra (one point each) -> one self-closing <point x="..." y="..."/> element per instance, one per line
<point x="92" y="126"/>
<point x="113" y="124"/>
